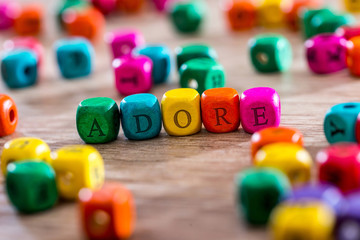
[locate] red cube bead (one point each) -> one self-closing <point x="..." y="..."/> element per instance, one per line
<point x="348" y="32"/>
<point x="28" y="43"/>
<point x="29" y="20"/>
<point x="353" y="55"/>
<point x="104" y="6"/>
<point x="220" y="109"/>
<point x="294" y="11"/>
<point x="241" y="14"/>
<point x="108" y="213"/>
<point x="8" y="115"/>
<point x="339" y="165"/>
<point x="130" y="6"/>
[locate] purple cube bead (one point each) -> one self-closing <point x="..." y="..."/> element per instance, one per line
<point x="348" y="222"/>
<point x="8" y="12"/>
<point x="123" y="42"/>
<point x="323" y="192"/>
<point x="133" y="74"/>
<point x="326" y="53"/>
<point x="259" y="108"/>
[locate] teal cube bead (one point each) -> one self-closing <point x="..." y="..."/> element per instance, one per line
<point x="340" y="122"/>
<point x="270" y="53"/>
<point x="19" y="68"/>
<point x="160" y="56"/>
<point x="327" y="23"/>
<point x="98" y="120"/>
<point x="202" y="74"/>
<point x="308" y="24"/>
<point x="187" y="16"/>
<point x="31" y="186"/>
<point x="140" y="116"/>
<point x="74" y="57"/>
<point x="188" y="52"/>
<point x="258" y="191"/>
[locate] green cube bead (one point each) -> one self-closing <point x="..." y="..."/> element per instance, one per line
<point x="270" y="53"/>
<point x="259" y="190"/>
<point x="202" y="74"/>
<point x="66" y="4"/>
<point x="187" y="17"/>
<point x="325" y="23"/>
<point x="188" y="52"/>
<point x="307" y="23"/>
<point x="31" y="186"/>
<point x="98" y="120"/>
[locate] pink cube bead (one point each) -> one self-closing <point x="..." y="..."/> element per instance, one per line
<point x="259" y="108"/>
<point x="105" y="6"/>
<point x="348" y="32"/>
<point x="123" y="42"/>
<point x="326" y="53"/>
<point x="27" y="43"/>
<point x="133" y="74"/>
<point x="161" y="5"/>
<point x="8" y="12"/>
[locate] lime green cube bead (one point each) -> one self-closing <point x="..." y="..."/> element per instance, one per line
<point x="307" y="24"/>
<point x="98" y="120"/>
<point x="31" y="186"/>
<point x="325" y="23"/>
<point x="202" y="74"/>
<point x="187" y="17"/>
<point x="258" y="191"/>
<point x="188" y="52"/>
<point x="270" y="53"/>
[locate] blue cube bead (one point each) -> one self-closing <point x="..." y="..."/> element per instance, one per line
<point x="19" y="68"/>
<point x="340" y="122"/>
<point x="140" y="116"/>
<point x="74" y="57"/>
<point x="160" y="55"/>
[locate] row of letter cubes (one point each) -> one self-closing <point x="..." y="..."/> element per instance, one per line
<point x="35" y="177"/>
<point x="182" y="113"/>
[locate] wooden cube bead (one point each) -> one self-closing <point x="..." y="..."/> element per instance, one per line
<point x="293" y="12"/>
<point x="352" y="5"/>
<point x="290" y="158"/>
<point x="180" y="109"/>
<point x="160" y="56"/>
<point x="77" y="167"/>
<point x="19" y="68"/>
<point x="258" y="191"/>
<point x="84" y="22"/>
<point x="161" y="5"/>
<point x="306" y="220"/>
<point x="29" y="20"/>
<point x="348" y="32"/>
<point x="273" y="135"/>
<point x="187" y="16"/>
<point x="31" y="186"/>
<point x="339" y="166"/>
<point x="259" y="108"/>
<point x="107" y="213"/>
<point x="340" y="122"/>
<point x="98" y="120"/>
<point x="270" y="53"/>
<point x="140" y="116"/>
<point x="105" y="6"/>
<point x="8" y="12"/>
<point x="129" y="6"/>
<point x="24" y="148"/>
<point x="353" y="56"/>
<point x="188" y="52"/>
<point x="8" y="115"/>
<point x="326" y="53"/>
<point x="133" y="74"/>
<point x="307" y="20"/>
<point x="241" y="14"/>
<point x="68" y="4"/>
<point x="220" y="110"/>
<point x="74" y="57"/>
<point x="325" y="23"/>
<point x="270" y="13"/>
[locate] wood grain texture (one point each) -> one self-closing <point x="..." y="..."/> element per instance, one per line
<point x="183" y="186"/>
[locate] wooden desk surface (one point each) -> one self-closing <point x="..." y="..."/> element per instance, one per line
<point x="183" y="186"/>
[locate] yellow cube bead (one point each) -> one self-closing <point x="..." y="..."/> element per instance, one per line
<point x="271" y="14"/>
<point x="304" y="220"/>
<point x="24" y="148"/>
<point x="77" y="167"/>
<point x="352" y="5"/>
<point x="290" y="158"/>
<point x="180" y="110"/>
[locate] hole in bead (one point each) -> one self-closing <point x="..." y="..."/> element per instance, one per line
<point x="12" y="115"/>
<point x="27" y="70"/>
<point x="350" y="106"/>
<point x="67" y="178"/>
<point x="100" y="221"/>
<point x="192" y="83"/>
<point x="262" y="58"/>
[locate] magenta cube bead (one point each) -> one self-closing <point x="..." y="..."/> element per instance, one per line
<point x="30" y="43"/>
<point x="8" y="12"/>
<point x="326" y="53"/>
<point x="123" y="42"/>
<point x="348" y="32"/>
<point x="105" y="6"/>
<point x="161" y="4"/>
<point x="133" y="74"/>
<point x="259" y="108"/>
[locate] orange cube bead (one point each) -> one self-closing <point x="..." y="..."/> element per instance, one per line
<point x="84" y="22"/>
<point x="108" y="213"/>
<point x="8" y="115"/>
<point x="220" y="109"/>
<point x="29" y="20"/>
<point x="129" y="6"/>
<point x="353" y="55"/>
<point x="275" y="135"/>
<point x="293" y="12"/>
<point x="241" y="14"/>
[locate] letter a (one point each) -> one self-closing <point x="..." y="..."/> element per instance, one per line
<point x="96" y="128"/>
